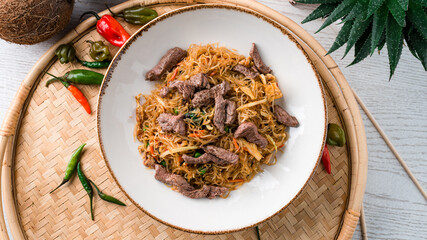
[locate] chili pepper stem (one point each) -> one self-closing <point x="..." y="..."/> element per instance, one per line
<point x="90" y="12"/>
<point x="55" y="78"/>
<point x="62" y="183"/>
<point x="112" y="13"/>
<point x="106" y="197"/>
<point x="91" y="208"/>
<point x="51" y="81"/>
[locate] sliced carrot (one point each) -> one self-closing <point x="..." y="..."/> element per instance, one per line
<point x="237" y="180"/>
<point x="152" y="150"/>
<point x="180" y="159"/>
<point x="212" y="73"/>
<point x="174" y="75"/>
<point x="236" y="145"/>
<point x="194" y="135"/>
<point x="281" y="145"/>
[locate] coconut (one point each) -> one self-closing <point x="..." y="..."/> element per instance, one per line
<point x="33" y="21"/>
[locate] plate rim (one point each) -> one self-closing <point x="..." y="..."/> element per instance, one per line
<point x="146" y="27"/>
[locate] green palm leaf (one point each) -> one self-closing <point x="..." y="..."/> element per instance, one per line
<point x="363" y="51"/>
<point x="382" y="42"/>
<point x="378" y="25"/>
<point x="339" y="12"/>
<point x="322" y="11"/>
<point x="419" y="44"/>
<point x="406" y="33"/>
<point x="397" y="12"/>
<point x="418" y="18"/>
<point x="357" y="10"/>
<point x="373" y="6"/>
<point x="359" y="43"/>
<point x="342" y="37"/>
<point x="404" y="4"/>
<point x="356" y="32"/>
<point x="373" y="24"/>
<point x="421" y="2"/>
<point x="394" y="43"/>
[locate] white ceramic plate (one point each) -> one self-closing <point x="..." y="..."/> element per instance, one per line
<point x="236" y="28"/>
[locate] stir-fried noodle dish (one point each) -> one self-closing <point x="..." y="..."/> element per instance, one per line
<point x="212" y="122"/>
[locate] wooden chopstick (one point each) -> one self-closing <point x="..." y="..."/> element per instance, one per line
<point x="363" y="224"/>
<point x="390" y="145"/>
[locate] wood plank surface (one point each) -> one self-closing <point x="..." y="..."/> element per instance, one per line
<point x="393" y="206"/>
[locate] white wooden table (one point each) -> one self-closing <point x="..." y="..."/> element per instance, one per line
<point x="394" y="208"/>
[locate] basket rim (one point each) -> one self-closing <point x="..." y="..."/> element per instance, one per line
<point x="359" y="156"/>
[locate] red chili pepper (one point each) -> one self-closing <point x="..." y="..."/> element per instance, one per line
<point x="110" y="29"/>
<point x="78" y="95"/>
<point x="326" y="159"/>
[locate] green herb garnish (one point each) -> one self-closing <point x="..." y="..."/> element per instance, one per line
<point x="202" y="170"/>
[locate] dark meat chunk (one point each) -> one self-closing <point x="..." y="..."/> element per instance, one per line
<point x="249" y="131"/>
<point x="259" y="64"/>
<point x="199" y="81"/>
<point x="229" y="157"/>
<point x="245" y="71"/>
<point x="203" y="98"/>
<point x="221" y="89"/>
<point x="217" y="192"/>
<point x="230" y="112"/>
<point x="148" y="160"/>
<point x="284" y="117"/>
<point x="172" y="57"/>
<point x="253" y="68"/>
<point x="220" y="113"/>
<point x="225" y="112"/>
<point x="187" y="88"/>
<point x="185" y="188"/>
<point x="175" y="180"/>
<point x="204" y="158"/>
<point x="172" y="123"/>
<point x="184" y="88"/>
<point x="207" y="97"/>
<point x="164" y="91"/>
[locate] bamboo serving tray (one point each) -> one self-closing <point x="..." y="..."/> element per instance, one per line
<point x="43" y="126"/>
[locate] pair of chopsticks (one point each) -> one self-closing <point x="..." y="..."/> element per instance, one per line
<point x="396" y="154"/>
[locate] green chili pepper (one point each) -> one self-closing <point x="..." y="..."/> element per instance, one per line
<point x="103" y="64"/>
<point x="66" y="53"/>
<point x="336" y="135"/>
<point x="106" y="197"/>
<point x="176" y="111"/>
<point x="137" y="15"/>
<point x="86" y="185"/>
<point x="99" y="51"/>
<point x="202" y="170"/>
<point x="163" y="163"/>
<point x="197" y="154"/>
<point x="79" y="76"/>
<point x="147" y="144"/>
<point x="71" y="167"/>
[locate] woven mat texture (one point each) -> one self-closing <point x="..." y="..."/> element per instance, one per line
<point x="54" y="125"/>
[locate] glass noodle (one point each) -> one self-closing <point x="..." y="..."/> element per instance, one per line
<point x="254" y="98"/>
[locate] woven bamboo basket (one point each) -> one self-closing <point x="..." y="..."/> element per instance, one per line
<point x="43" y="126"/>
